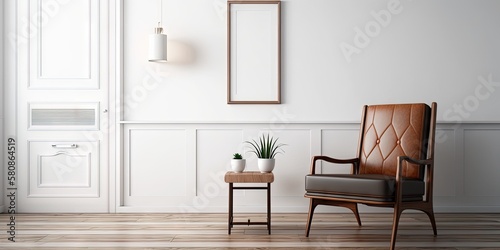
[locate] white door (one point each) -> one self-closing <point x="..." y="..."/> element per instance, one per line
<point x="62" y="106"/>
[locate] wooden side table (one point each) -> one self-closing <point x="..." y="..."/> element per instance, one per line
<point x="249" y="177"/>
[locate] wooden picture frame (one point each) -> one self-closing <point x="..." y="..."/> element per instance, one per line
<point x="253" y="52"/>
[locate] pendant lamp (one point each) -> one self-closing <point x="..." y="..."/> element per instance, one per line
<point x="158" y="42"/>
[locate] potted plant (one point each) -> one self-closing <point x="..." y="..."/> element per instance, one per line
<point x="238" y="163"/>
<point x="266" y="149"/>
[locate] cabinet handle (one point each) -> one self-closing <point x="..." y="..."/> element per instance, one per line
<point x="64" y="145"/>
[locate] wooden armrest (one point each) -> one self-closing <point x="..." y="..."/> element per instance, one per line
<point x="353" y="161"/>
<point x="399" y="171"/>
<point x="416" y="161"/>
<point x="334" y="160"/>
<point x="427" y="163"/>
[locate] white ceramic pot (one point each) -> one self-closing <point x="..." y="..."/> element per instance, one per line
<point x="238" y="165"/>
<point x="265" y="165"/>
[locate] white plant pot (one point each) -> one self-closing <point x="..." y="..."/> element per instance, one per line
<point x="265" y="165"/>
<point x="238" y="165"/>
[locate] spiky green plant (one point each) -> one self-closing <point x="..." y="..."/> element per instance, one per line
<point x="237" y="156"/>
<point x="266" y="148"/>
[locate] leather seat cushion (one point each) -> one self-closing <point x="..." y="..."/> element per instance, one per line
<point x="371" y="187"/>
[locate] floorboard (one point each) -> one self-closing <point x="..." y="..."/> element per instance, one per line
<point x="209" y="231"/>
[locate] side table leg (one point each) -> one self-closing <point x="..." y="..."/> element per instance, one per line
<point x="230" y="213"/>
<point x="269" y="208"/>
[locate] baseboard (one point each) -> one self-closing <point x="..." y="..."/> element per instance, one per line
<point x="301" y="209"/>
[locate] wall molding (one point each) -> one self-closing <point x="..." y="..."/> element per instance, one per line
<point x="211" y="145"/>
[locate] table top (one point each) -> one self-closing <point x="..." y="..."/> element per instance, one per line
<point x="248" y="177"/>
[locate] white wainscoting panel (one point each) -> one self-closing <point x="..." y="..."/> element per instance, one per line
<point x="481" y="160"/>
<point x="293" y="164"/>
<point x="291" y="168"/>
<point x="340" y="143"/>
<point x="156" y="167"/>
<point x="446" y="165"/>
<point x="157" y="162"/>
<point x="65" y="50"/>
<point x="180" y="167"/>
<point x="63" y="169"/>
<point x="214" y="151"/>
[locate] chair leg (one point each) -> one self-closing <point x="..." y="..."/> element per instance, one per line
<point x="395" y="222"/>
<point x="354" y="209"/>
<point x="430" y="213"/>
<point x="312" y="205"/>
<point x="433" y="223"/>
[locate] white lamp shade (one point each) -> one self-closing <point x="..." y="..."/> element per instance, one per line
<point x="157" y="48"/>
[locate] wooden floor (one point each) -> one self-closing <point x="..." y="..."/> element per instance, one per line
<point x="209" y="231"/>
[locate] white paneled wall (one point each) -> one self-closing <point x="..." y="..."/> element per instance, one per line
<point x="2" y="83"/>
<point x="210" y="187"/>
<point x="447" y="163"/>
<point x="467" y="168"/>
<point x="481" y="166"/>
<point x="156" y="163"/>
<point x="176" y="134"/>
<point x="180" y="167"/>
<point x="336" y="57"/>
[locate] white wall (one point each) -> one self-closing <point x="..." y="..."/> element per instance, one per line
<point x="179" y="133"/>
<point x="427" y="51"/>
<point x="2" y="172"/>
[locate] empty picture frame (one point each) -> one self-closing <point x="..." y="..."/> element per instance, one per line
<point x="253" y="52"/>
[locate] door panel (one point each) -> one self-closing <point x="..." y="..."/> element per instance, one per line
<point x="64" y="168"/>
<point x="62" y="102"/>
<point x="64" y="54"/>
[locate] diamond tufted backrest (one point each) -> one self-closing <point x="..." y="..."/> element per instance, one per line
<point x="390" y="131"/>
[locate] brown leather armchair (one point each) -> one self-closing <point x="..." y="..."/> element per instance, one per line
<point x="393" y="168"/>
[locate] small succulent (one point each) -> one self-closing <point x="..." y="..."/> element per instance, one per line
<point x="237" y="156"/>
